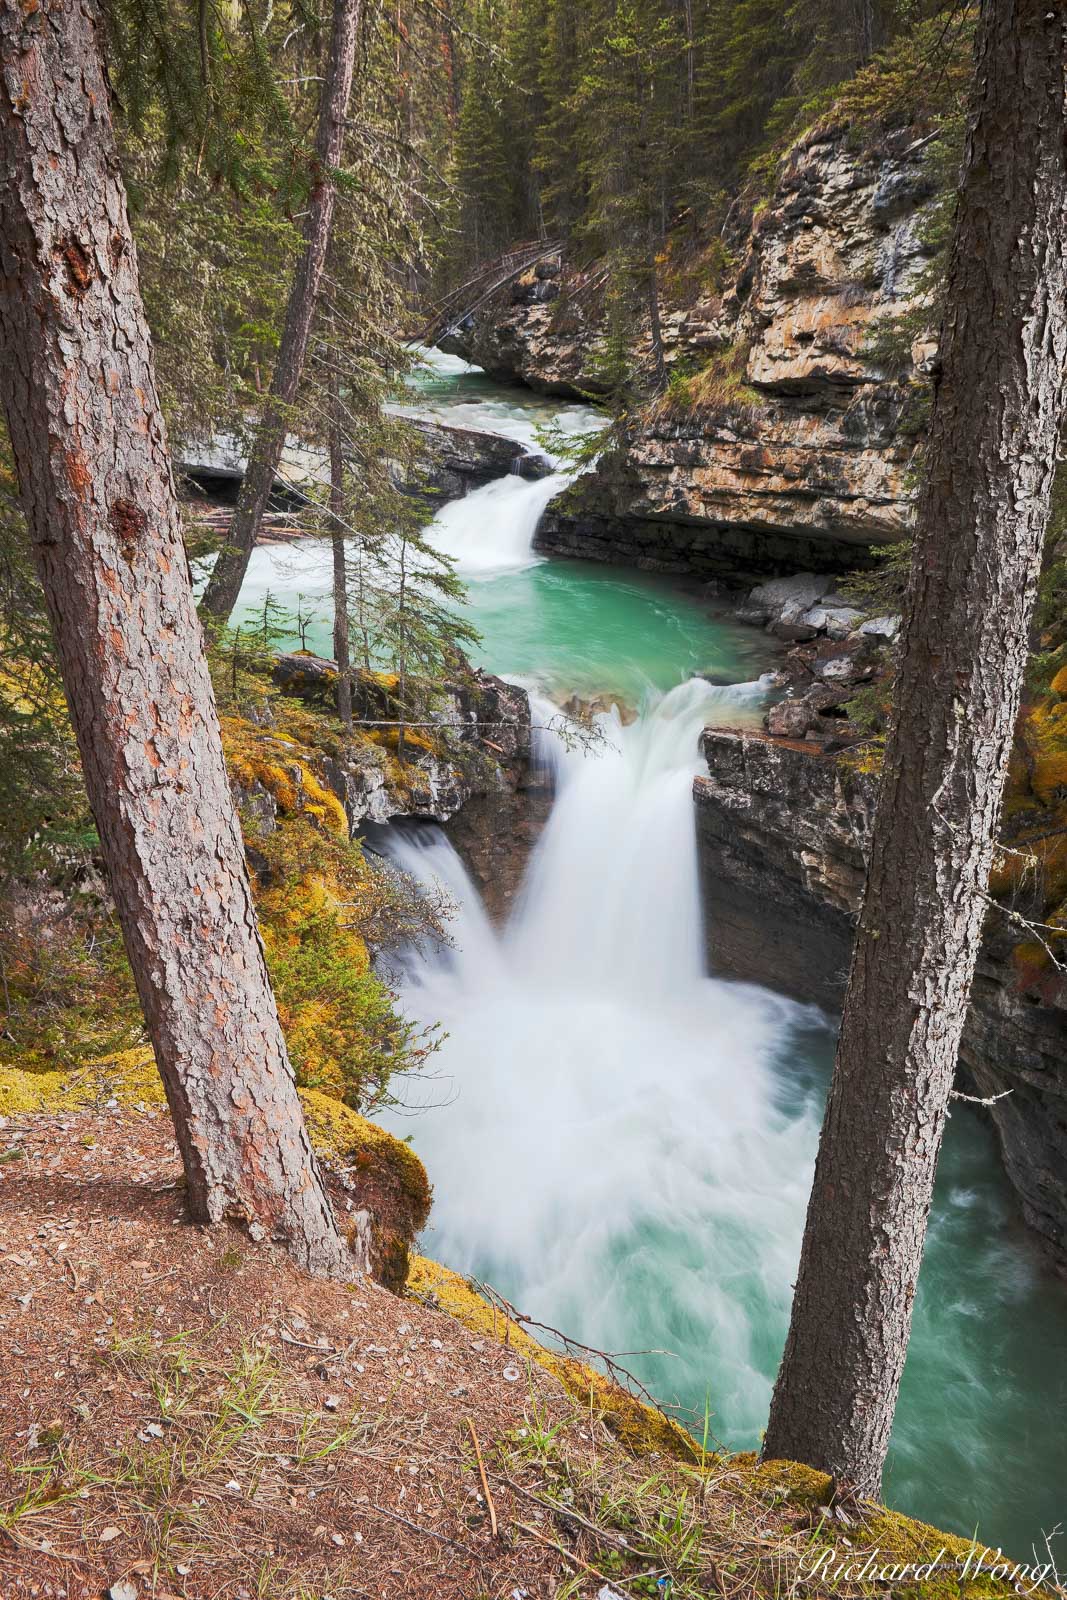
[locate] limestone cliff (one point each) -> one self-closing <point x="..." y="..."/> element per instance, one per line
<point x="782" y="442"/>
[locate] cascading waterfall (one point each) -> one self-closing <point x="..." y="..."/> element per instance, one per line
<point x="607" y="1142"/>
<point x="492" y="529"/>
<point x="623" y="1144"/>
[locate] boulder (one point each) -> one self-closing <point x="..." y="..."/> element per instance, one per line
<point x="308" y="676"/>
<point x="452" y="461"/>
<point x="790" y="719"/>
<point x="836" y="621"/>
<point x="801" y="590"/>
<point x="884" y="628"/>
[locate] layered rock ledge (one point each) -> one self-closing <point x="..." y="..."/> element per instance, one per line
<point x="787" y="434"/>
<point x="448" y="462"/>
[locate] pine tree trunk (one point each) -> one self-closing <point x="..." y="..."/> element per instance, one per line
<point x="341" y="649"/>
<point x="78" y="390"/>
<point x="231" y="564"/>
<point x="659" y="365"/>
<point x="982" y="515"/>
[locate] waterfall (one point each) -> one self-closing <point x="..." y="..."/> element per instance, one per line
<point x="606" y="1138"/>
<point x="492" y="529"/>
<point x="622" y="1143"/>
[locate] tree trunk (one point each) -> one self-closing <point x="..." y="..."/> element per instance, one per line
<point x="231" y="564"/>
<point x="78" y="390"/>
<point x="982" y="515"/>
<point x="341" y="650"/>
<point x="659" y="364"/>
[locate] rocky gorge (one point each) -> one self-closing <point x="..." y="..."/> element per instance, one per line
<point x="793" y="452"/>
<point x="782" y="823"/>
<point x="785" y="439"/>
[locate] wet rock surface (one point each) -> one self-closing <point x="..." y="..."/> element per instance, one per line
<point x="837" y="653"/>
<point x="452" y="461"/>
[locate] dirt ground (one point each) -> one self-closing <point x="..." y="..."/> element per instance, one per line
<point x="186" y="1416"/>
<point x="186" y="1413"/>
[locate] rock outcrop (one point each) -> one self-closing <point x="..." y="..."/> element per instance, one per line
<point x="448" y="462"/>
<point x="476" y="744"/>
<point x="783" y="830"/>
<point x="785" y="439"/>
<point x="544" y="330"/>
<point x="452" y="461"/>
<point x="470" y="770"/>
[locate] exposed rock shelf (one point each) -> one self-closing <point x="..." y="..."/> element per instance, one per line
<point x="801" y="456"/>
<point x="478" y="741"/>
<point x="470" y="769"/>
<point x="454" y="460"/>
<point x="449" y="461"/>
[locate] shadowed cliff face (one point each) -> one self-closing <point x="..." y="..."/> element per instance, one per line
<point x="790" y="444"/>
<point x="783" y="834"/>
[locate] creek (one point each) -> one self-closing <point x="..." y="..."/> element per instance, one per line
<point x="621" y="1142"/>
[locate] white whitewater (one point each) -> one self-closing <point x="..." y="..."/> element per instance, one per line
<point x="623" y="1144"/>
<point x="492" y="530"/>
<point x="512" y="413"/>
<point x="605" y="1137"/>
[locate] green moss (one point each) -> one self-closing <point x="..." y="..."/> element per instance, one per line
<point x="315" y="897"/>
<point x="640" y="1426"/>
<point x="128" y="1076"/>
<point x="895" y="1538"/>
<point x="390" y="1181"/>
<point x="720" y="385"/>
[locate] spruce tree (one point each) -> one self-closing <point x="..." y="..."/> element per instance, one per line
<point x="628" y="100"/>
<point x="231" y="564"/>
<point x="484" y="169"/>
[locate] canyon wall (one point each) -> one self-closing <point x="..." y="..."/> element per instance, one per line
<point x="790" y="445"/>
<point x="783" y="830"/>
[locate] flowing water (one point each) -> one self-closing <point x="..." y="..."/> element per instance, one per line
<point x="621" y="1142"/>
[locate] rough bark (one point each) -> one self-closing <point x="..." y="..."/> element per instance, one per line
<point x="341" y="646"/>
<point x="982" y="514"/>
<point x="79" y="393"/>
<point x="228" y="573"/>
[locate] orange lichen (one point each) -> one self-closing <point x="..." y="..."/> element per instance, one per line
<point x="389" y="738"/>
<point x="277" y="764"/>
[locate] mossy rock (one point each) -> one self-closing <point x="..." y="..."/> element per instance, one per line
<point x="390" y="1180"/>
<point x="281" y="767"/>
